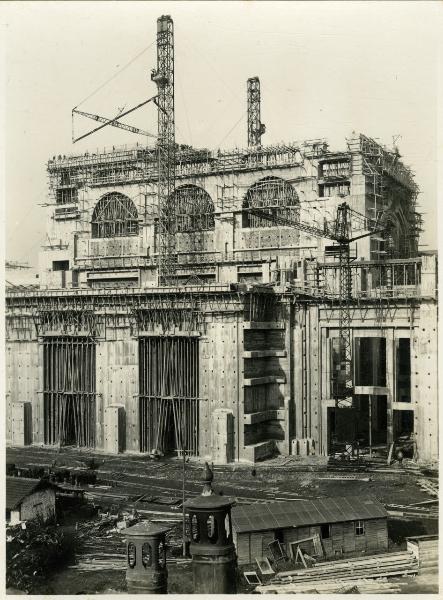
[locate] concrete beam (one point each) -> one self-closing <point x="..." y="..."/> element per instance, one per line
<point x="264" y="380"/>
<point x="265" y="415"/>
<point x="263" y="353"/>
<point x="263" y="325"/>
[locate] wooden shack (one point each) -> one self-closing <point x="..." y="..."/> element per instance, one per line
<point x="322" y="528"/>
<point x="28" y="499"/>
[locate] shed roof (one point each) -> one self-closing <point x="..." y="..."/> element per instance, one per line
<point x="278" y="515"/>
<point x="17" y="488"/>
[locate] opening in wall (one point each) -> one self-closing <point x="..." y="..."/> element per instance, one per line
<point x="403" y="369"/>
<point x="371" y="420"/>
<point x="370" y="361"/>
<point x="338" y="367"/>
<point x="403" y="421"/>
<point x="60" y="265"/>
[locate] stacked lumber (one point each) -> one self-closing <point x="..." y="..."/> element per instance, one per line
<point x="336" y="574"/>
<point x="413" y="510"/>
<point x="358" y="586"/>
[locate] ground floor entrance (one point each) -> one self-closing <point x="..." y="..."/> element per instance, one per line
<point x="364" y="425"/>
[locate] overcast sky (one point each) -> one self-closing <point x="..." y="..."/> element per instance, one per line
<point x="325" y="69"/>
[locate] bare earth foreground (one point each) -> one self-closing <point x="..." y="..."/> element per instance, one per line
<point x="154" y="490"/>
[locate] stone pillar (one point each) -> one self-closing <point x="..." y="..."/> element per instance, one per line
<point x="214" y="561"/>
<point x="146" y="571"/>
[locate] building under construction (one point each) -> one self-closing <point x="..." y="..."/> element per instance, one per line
<point x="229" y="304"/>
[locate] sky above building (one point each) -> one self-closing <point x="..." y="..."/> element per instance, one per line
<point x="326" y="69"/>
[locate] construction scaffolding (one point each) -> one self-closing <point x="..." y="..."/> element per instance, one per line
<point x="115" y="215"/>
<point x="169" y="394"/>
<point x="69" y="391"/>
<point x="391" y="195"/>
<point x="273" y="196"/>
<point x="194" y="209"/>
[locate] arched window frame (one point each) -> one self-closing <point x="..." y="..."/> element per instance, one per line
<point x="115" y="215"/>
<point x="132" y="555"/>
<point x="193" y="209"/>
<point x="146" y="554"/>
<point x="272" y="195"/>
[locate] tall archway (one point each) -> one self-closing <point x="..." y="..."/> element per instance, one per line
<point x="194" y="209"/>
<point x="115" y="215"/>
<point x="274" y="196"/>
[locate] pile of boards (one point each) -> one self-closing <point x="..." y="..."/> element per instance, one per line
<point x="428" y="509"/>
<point x="340" y="574"/>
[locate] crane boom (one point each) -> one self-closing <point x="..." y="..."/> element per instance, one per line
<point x="113" y="123"/>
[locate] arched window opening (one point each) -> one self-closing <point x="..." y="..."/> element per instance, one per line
<point x="194" y="209"/>
<point x="228" y="526"/>
<point x="162" y="553"/>
<point x="194" y="529"/>
<point x="273" y="196"/>
<point x="212" y="529"/>
<point x="146" y="555"/>
<point x="131" y="555"/>
<point x="115" y="215"/>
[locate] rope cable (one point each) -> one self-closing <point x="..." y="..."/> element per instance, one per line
<point x="116" y="74"/>
<point x="231" y="130"/>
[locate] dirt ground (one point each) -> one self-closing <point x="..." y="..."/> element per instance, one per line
<point x="124" y="478"/>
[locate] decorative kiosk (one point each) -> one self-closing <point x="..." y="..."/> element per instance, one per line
<point x="214" y="562"/>
<point x="146" y="571"/>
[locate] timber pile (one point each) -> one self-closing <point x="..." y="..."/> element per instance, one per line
<point x="339" y="573"/>
<point x="429" y="485"/>
<point x="359" y="586"/>
<point x="102" y="545"/>
<point x="424" y="511"/>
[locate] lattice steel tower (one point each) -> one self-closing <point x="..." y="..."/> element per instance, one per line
<point x="164" y="78"/>
<point x="255" y="128"/>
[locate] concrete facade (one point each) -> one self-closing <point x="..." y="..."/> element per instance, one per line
<point x="261" y="303"/>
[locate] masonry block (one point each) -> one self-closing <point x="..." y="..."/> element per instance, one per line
<point x="115" y="427"/>
<point x="222" y="436"/>
<point x="21" y="430"/>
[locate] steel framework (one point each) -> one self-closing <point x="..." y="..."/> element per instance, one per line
<point x="164" y="78"/>
<point x="340" y="231"/>
<point x="255" y="128"/>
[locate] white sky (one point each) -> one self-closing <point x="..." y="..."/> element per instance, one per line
<point x="325" y="69"/>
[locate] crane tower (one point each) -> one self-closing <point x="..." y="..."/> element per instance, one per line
<point x="255" y="128"/>
<point x="163" y="76"/>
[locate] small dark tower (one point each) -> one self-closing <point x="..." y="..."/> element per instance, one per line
<point x="214" y="561"/>
<point x="146" y="571"/>
<point x="255" y="127"/>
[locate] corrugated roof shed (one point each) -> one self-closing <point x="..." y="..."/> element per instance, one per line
<point x="278" y="515"/>
<point x="17" y="488"/>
